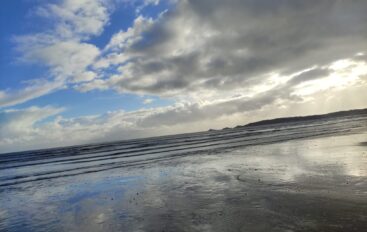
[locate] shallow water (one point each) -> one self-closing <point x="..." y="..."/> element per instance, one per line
<point x="300" y="177"/>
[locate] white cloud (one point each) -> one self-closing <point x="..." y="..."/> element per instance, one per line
<point x="77" y="18"/>
<point x="61" y="48"/>
<point x="68" y="59"/>
<point x="341" y="74"/>
<point x="92" y="85"/>
<point x="124" y="39"/>
<point x="148" y="101"/>
<point x="113" y="52"/>
<point x="37" y="89"/>
<point x="18" y="126"/>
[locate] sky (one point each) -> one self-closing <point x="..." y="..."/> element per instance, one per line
<point x="86" y="71"/>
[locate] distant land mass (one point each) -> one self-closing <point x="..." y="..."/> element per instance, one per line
<point x="338" y="114"/>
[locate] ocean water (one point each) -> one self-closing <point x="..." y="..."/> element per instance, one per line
<point x="304" y="176"/>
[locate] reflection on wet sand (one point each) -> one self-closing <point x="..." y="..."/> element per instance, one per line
<point x="316" y="184"/>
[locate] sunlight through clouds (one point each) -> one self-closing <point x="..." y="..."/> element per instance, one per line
<point x="217" y="63"/>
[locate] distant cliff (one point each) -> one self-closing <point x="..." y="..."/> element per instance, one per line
<point x="311" y="117"/>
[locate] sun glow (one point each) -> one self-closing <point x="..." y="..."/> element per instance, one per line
<point x="343" y="73"/>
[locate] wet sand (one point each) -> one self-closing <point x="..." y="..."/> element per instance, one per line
<point x="309" y="184"/>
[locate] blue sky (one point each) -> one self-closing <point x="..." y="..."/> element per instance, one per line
<point x="83" y="71"/>
<point x="18" y="18"/>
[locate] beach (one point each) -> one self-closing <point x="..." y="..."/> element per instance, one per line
<point x="303" y="177"/>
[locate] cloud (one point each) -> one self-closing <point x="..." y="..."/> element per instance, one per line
<point x="18" y="126"/>
<point x="68" y="59"/>
<point x="37" y="89"/>
<point x="31" y="128"/>
<point x="77" y="18"/>
<point x="62" y="47"/>
<point x="92" y="85"/>
<point x="195" y="48"/>
<point x="309" y="75"/>
<point x="124" y="39"/>
<point x="339" y="85"/>
<point x="148" y="101"/>
<point x="204" y="45"/>
<point x="222" y="62"/>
